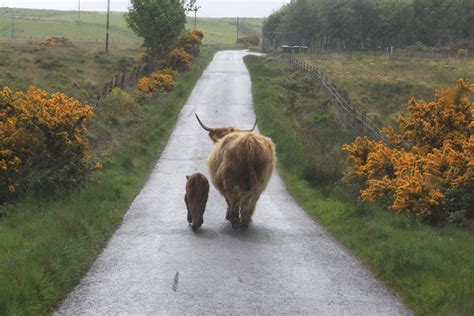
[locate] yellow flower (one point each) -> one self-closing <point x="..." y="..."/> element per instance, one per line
<point x="432" y="151"/>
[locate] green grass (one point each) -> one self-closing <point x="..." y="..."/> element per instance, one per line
<point x="222" y="31"/>
<point x="381" y="86"/>
<point x="430" y="268"/>
<point x="78" y="71"/>
<point x="47" y="244"/>
<point x="35" y="24"/>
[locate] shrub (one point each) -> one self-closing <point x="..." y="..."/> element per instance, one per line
<point x="124" y="63"/>
<point x="44" y="141"/>
<point x="48" y="63"/>
<point x="54" y="41"/>
<point x="190" y="41"/>
<point x="180" y="60"/>
<point x="142" y="58"/>
<point x="427" y="168"/>
<point x="183" y="49"/>
<point x="462" y="53"/>
<point x="158" y="80"/>
<point x="249" y="40"/>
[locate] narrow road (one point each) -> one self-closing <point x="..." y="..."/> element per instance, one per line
<point x="285" y="263"/>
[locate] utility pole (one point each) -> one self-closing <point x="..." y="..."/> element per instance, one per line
<point x="12" y="25"/>
<point x="79" y="12"/>
<point x="195" y="9"/>
<point x="107" y="30"/>
<point x="237" y="30"/>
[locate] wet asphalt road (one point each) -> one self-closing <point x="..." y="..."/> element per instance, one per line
<point x="284" y="263"/>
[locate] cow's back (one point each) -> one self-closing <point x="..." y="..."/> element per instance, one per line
<point x="242" y="161"/>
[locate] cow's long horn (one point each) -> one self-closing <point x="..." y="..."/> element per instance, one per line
<point x="254" y="125"/>
<point x="202" y="125"/>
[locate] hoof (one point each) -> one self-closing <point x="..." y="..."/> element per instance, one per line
<point x="245" y="224"/>
<point x="194" y="228"/>
<point x="190" y="219"/>
<point x="235" y="224"/>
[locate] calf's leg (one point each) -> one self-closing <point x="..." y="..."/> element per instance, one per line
<point x="190" y="218"/>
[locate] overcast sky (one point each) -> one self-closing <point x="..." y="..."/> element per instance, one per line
<point x="209" y="8"/>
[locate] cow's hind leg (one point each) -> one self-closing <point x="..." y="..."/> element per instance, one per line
<point x="248" y="208"/>
<point x="233" y="215"/>
<point x="227" y="214"/>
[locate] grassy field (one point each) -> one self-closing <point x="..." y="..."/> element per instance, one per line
<point x="382" y="86"/>
<point x="430" y="268"/>
<point x="46" y="244"/>
<point x="79" y="71"/>
<point x="35" y="24"/>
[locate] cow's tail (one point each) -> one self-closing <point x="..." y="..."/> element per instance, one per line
<point x="248" y="199"/>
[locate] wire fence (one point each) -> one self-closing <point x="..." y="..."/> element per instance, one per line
<point x="358" y="120"/>
<point x="121" y="80"/>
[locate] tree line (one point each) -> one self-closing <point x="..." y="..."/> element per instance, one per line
<point x="371" y="24"/>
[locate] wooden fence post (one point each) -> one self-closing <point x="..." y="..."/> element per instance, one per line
<point x="364" y="120"/>
<point x="105" y="90"/>
<point x="122" y="80"/>
<point x="354" y="122"/>
<point x="132" y="74"/>
<point x="116" y="79"/>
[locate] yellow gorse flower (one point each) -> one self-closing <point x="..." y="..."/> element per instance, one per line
<point x="158" y="80"/>
<point x="33" y="123"/>
<point x="432" y="152"/>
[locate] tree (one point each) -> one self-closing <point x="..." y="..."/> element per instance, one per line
<point x="365" y="24"/>
<point x="158" y="22"/>
<point x="189" y="5"/>
<point x="300" y="23"/>
<point x="271" y="38"/>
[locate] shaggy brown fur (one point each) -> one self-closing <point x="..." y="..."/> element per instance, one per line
<point x="197" y="191"/>
<point x="240" y="165"/>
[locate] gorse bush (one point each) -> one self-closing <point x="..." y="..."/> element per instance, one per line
<point x="183" y="48"/>
<point x="249" y="40"/>
<point x="44" y="143"/>
<point x="427" y="167"/>
<point x="54" y="41"/>
<point x="190" y="41"/>
<point x="157" y="81"/>
<point x="180" y="60"/>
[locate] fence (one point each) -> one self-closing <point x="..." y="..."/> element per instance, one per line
<point x="355" y="118"/>
<point x="423" y="52"/>
<point x="120" y="80"/>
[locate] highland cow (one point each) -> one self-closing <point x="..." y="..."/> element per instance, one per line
<point x="197" y="191"/>
<point x="240" y="164"/>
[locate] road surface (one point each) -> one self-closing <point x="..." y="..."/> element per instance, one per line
<point x="285" y="263"/>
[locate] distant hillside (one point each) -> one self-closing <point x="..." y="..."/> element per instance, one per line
<point x="34" y="24"/>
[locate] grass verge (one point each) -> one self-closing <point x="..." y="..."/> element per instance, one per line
<point x="430" y="268"/>
<point x="47" y="245"/>
<point x="382" y="86"/>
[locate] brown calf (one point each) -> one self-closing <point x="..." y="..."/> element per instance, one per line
<point x="197" y="191"/>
